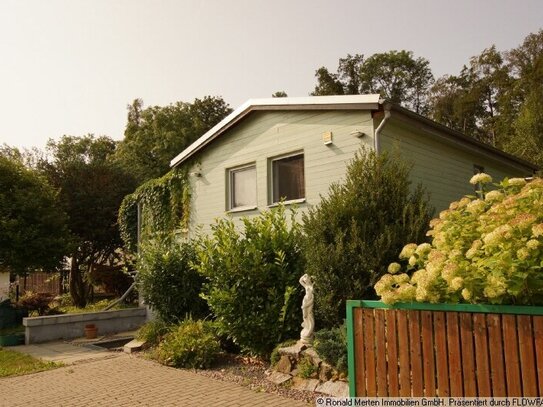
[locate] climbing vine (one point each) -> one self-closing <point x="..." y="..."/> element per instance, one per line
<point x="164" y="207"/>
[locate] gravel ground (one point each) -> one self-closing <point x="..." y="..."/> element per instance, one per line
<point x="251" y="373"/>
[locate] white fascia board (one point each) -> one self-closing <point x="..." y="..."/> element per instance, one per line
<point x="309" y="102"/>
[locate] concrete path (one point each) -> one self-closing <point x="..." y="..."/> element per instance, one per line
<point x="63" y="352"/>
<point x="127" y="380"/>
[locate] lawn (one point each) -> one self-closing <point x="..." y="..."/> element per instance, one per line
<point x="14" y="363"/>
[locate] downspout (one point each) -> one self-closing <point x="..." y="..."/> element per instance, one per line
<point x="377" y="137"/>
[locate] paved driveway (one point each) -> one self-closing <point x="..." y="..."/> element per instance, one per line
<point x="126" y="380"/>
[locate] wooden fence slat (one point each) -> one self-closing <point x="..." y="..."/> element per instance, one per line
<point x="415" y="354"/>
<point x="360" y="370"/>
<point x="442" y="364"/>
<point x="527" y="356"/>
<point x="495" y="349"/>
<point x="468" y="355"/>
<point x="427" y="332"/>
<point x="369" y="350"/>
<point x="512" y="363"/>
<point x="392" y="353"/>
<point x="484" y="388"/>
<point x="538" y="334"/>
<point x="455" y="357"/>
<point x="403" y="348"/>
<point x="380" y="349"/>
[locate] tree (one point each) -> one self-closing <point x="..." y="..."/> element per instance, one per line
<point x="526" y="102"/>
<point x="280" y="94"/>
<point x="155" y="135"/>
<point x="327" y="83"/>
<point x="397" y="75"/>
<point x="91" y="188"/>
<point x="358" y="229"/>
<point x="33" y="233"/>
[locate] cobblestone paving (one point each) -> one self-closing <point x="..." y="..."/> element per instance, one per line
<point x="126" y="380"/>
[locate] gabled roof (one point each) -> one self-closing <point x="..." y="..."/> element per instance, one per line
<point x="351" y="102"/>
<point x="343" y="102"/>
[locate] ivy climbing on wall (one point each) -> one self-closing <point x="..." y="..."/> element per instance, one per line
<point x="165" y="203"/>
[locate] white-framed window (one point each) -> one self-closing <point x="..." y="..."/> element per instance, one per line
<point x="242" y="187"/>
<point x="287" y="178"/>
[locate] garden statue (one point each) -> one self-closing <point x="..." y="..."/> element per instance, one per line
<point x="306" y="336"/>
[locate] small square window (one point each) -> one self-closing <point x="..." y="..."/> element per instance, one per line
<point x="288" y="180"/>
<point x="242" y="186"/>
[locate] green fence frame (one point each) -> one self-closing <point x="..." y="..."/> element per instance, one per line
<point x="472" y="308"/>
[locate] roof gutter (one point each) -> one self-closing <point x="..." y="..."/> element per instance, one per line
<point x="377" y="137"/>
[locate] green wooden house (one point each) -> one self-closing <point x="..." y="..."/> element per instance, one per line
<point x="294" y="148"/>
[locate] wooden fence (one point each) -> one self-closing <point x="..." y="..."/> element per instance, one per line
<point x="427" y="350"/>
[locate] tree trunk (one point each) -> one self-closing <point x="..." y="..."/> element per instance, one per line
<point x="77" y="285"/>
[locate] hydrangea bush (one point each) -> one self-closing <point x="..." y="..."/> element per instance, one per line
<point x="484" y="249"/>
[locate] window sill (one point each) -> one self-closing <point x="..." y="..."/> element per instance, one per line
<point x="242" y="209"/>
<point x="291" y="202"/>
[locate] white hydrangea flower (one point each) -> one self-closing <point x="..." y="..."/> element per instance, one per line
<point x="537" y="230"/>
<point x="408" y="250"/>
<point x="393" y="268"/>
<point x="423" y="248"/>
<point x="493" y="196"/>
<point x="532" y="244"/>
<point x="457" y="283"/>
<point x="466" y="294"/>
<point x="517" y="181"/>
<point x="480" y="178"/>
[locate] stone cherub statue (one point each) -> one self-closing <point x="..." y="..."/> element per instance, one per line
<point x="308" y="325"/>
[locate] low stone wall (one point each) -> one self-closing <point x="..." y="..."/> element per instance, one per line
<point x="52" y="327"/>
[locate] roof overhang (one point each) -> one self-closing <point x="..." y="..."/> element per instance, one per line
<point x="346" y="102"/>
<point x="457" y="137"/>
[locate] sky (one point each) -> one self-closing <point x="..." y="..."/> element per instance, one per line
<point x="72" y="66"/>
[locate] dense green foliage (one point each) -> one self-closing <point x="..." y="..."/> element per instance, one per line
<point x="33" y="233"/>
<point x="331" y="346"/>
<point x="497" y="97"/>
<point x="357" y="230"/>
<point x="169" y="283"/>
<point x="91" y="189"/>
<point x="252" y="279"/>
<point x="306" y="368"/>
<point x="164" y="204"/>
<point x="192" y="344"/>
<point x="154" y="331"/>
<point x="482" y="251"/>
<point x="156" y="134"/>
<point x="396" y="75"/>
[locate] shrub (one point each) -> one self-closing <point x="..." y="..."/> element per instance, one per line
<point x="331" y="346"/>
<point x="153" y="331"/>
<point x="358" y="229"/>
<point x="191" y="345"/>
<point x="306" y="368"/>
<point x="252" y="279"/>
<point x="483" y="250"/>
<point x="168" y="281"/>
<point x="36" y="301"/>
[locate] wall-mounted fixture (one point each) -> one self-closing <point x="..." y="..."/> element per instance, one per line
<point x="327" y="138"/>
<point x="358" y="133"/>
<point x="197" y="171"/>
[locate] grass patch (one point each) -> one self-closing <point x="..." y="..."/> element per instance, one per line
<point x="14" y="364"/>
<point x="95" y="307"/>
